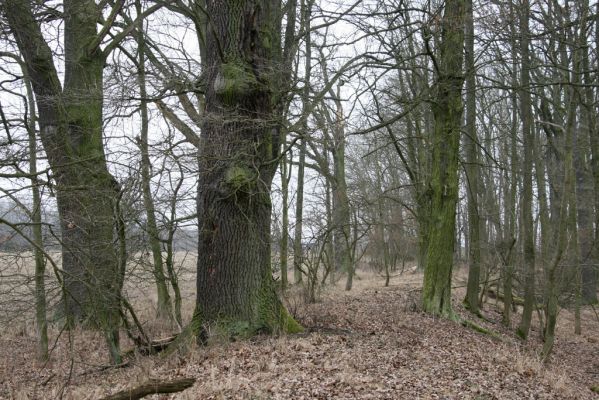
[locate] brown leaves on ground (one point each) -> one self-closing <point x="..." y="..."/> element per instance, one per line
<point x="366" y="344"/>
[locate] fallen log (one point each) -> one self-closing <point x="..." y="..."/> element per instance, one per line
<point x="153" y="386"/>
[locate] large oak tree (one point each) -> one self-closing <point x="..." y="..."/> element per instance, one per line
<point x="238" y="153"/>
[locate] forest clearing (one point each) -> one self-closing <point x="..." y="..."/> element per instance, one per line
<point x="370" y="343"/>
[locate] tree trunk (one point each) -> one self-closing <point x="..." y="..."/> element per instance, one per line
<point x="238" y="152"/>
<point x="36" y="220"/>
<point x="568" y="208"/>
<point x="511" y="188"/>
<point x="284" y="245"/>
<point x="70" y="120"/>
<point x="341" y="208"/>
<point x="299" y="206"/>
<point x="447" y="111"/>
<point x="472" y="170"/>
<point x="164" y="309"/>
<point x="299" y="215"/>
<point x="528" y="139"/>
<point x="589" y="185"/>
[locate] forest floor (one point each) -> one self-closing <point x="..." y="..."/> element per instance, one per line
<point x="370" y="343"/>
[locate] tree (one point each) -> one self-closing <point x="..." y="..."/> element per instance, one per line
<point x="70" y="120"/>
<point x="528" y="137"/>
<point x="164" y="301"/>
<point x="238" y="157"/>
<point x="35" y="213"/>
<point x="588" y="180"/>
<point x="447" y="111"/>
<point x="472" y="169"/>
<point x="299" y="202"/>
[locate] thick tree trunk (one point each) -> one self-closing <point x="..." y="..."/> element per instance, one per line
<point x="70" y="120"/>
<point x="238" y="150"/>
<point x="447" y="111"/>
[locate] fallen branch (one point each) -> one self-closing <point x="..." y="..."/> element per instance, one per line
<point x="154" y="347"/>
<point x="153" y="386"/>
<point x="101" y="368"/>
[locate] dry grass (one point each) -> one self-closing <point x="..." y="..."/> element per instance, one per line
<point x="368" y="343"/>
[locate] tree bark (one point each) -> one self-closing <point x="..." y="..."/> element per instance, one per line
<point x="164" y="308"/>
<point x="472" y="169"/>
<point x="286" y="168"/>
<point x="36" y="220"/>
<point x="238" y="159"/>
<point x="527" y="164"/>
<point x="341" y="208"/>
<point x="447" y="111"/>
<point x="589" y="184"/>
<point x="299" y="215"/>
<point x="70" y="120"/>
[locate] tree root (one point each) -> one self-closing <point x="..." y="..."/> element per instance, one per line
<point x="153" y="386"/>
<point x="474" y="326"/>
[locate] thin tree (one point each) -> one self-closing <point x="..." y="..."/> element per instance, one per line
<point x="472" y="169"/>
<point x="164" y="308"/>
<point x="527" y="164"/>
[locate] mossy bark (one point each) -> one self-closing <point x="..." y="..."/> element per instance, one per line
<point x="237" y="155"/>
<point x="70" y="120"/>
<point x="447" y="111"/>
